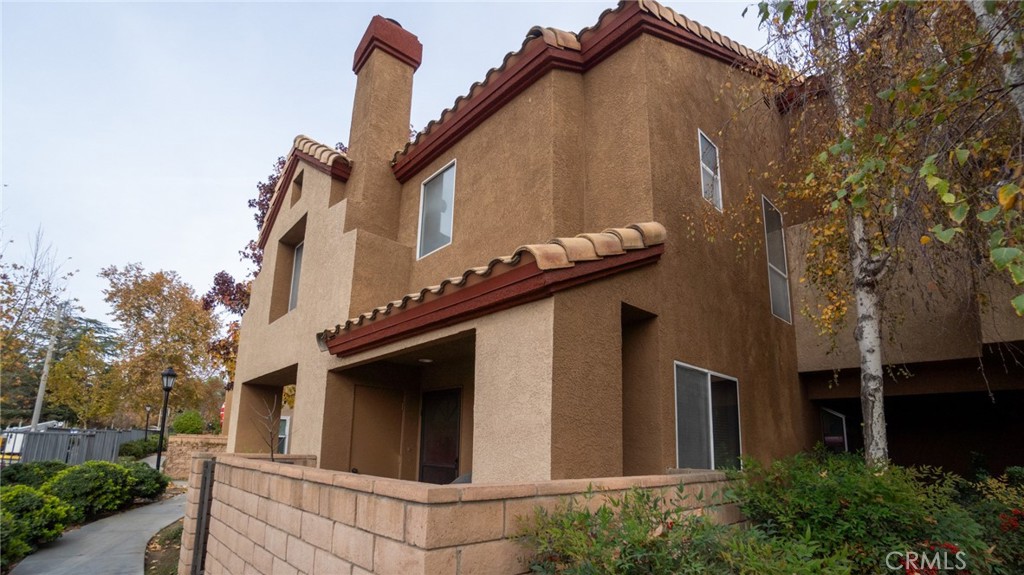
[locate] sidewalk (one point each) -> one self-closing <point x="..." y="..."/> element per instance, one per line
<point x="115" y="545"/>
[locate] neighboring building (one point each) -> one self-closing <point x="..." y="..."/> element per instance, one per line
<point x="628" y="345"/>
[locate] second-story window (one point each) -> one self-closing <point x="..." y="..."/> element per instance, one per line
<point x="437" y="203"/>
<point x="710" y="178"/>
<point x="293" y="298"/>
<point x="778" y="274"/>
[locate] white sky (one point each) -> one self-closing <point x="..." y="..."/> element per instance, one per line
<point x="137" y="132"/>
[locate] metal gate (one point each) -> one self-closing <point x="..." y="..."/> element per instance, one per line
<point x="203" y="517"/>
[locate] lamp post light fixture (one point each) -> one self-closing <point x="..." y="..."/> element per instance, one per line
<point x="167" y="381"/>
<point x="145" y="435"/>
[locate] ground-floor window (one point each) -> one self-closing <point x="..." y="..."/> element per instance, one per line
<point x="707" y="419"/>
<point x="833" y="431"/>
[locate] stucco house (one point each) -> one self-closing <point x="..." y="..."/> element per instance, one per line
<point x="525" y="293"/>
<point x="524" y="298"/>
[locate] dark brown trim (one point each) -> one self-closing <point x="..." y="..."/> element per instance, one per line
<point x="339" y="169"/>
<point x="387" y="36"/>
<point x="521" y="285"/>
<point x="534" y="61"/>
<point x="538" y="58"/>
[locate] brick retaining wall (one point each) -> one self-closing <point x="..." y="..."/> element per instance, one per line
<point x="275" y="518"/>
<point x="181" y="447"/>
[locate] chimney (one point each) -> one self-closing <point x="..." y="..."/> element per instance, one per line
<point x="384" y="64"/>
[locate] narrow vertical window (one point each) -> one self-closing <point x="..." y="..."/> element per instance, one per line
<point x="778" y="274"/>
<point x="707" y="419"/>
<point x="710" y="179"/>
<point x="293" y="300"/>
<point x="437" y="199"/>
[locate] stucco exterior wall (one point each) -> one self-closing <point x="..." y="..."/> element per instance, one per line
<point x="933" y="311"/>
<point x="572" y="153"/>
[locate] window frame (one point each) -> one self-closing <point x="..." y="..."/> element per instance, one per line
<point x="711" y="422"/>
<point x="716" y="200"/>
<point x="283" y="446"/>
<point x="846" y="431"/>
<point x="419" y="219"/>
<point x="293" y="290"/>
<point x="785" y="256"/>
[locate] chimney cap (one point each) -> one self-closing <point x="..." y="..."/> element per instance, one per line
<point x="389" y="36"/>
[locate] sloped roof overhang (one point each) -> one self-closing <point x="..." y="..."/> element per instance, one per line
<point x="319" y="157"/>
<point x="524" y="284"/>
<point x="531" y="273"/>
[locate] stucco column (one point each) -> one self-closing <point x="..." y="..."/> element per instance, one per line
<point x="512" y="387"/>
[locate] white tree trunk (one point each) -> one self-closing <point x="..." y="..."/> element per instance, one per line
<point x="1001" y="35"/>
<point x="868" y="334"/>
<point x="867" y="269"/>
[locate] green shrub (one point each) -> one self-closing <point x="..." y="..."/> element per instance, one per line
<point x="30" y="518"/>
<point x="640" y="532"/>
<point x="845" y="504"/>
<point x="752" y="551"/>
<point x="997" y="504"/>
<point x="643" y="533"/>
<point x="189" y="422"/>
<point x="149" y="483"/>
<point x="1014" y="476"/>
<point x="45" y="515"/>
<point x="33" y="474"/>
<point x="138" y="448"/>
<point x="13" y="540"/>
<point x="92" y="488"/>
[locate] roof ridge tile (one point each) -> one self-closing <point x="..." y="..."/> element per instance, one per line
<point x="558" y="253"/>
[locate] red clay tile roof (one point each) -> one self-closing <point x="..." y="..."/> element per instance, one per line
<point x="548" y="48"/>
<point x="320" y="157"/>
<point x="557" y="254"/>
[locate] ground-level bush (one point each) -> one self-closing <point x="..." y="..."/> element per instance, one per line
<point x="148" y="482"/>
<point x="642" y="533"/>
<point x="33" y="474"/>
<point x="30" y="517"/>
<point x="92" y="488"/>
<point x="138" y="448"/>
<point x="189" y="422"/>
<point x="997" y="504"/>
<point x="808" y="514"/>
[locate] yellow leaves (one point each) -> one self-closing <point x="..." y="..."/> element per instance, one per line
<point x="1008" y="196"/>
<point x="925" y="240"/>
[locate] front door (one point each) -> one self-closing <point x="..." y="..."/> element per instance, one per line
<point x="439" y="436"/>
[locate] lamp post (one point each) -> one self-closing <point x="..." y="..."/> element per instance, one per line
<point x="145" y="435"/>
<point x="167" y="380"/>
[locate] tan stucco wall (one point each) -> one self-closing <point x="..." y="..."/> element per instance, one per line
<point x="513" y="422"/>
<point x="572" y="153"/>
<point x="932" y="312"/>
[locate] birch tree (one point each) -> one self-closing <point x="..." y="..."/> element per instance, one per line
<point x="904" y="125"/>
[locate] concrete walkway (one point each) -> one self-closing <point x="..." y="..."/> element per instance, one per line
<point x="115" y="545"/>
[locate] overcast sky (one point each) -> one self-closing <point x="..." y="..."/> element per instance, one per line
<point x="136" y="132"/>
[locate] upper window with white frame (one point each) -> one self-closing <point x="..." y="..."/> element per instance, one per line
<point x="778" y="274"/>
<point x="437" y="203"/>
<point x="707" y="419"/>
<point x="710" y="175"/>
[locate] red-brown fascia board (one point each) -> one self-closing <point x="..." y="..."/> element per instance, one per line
<point x="340" y="170"/>
<point x="524" y="284"/>
<point x="537" y="59"/>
